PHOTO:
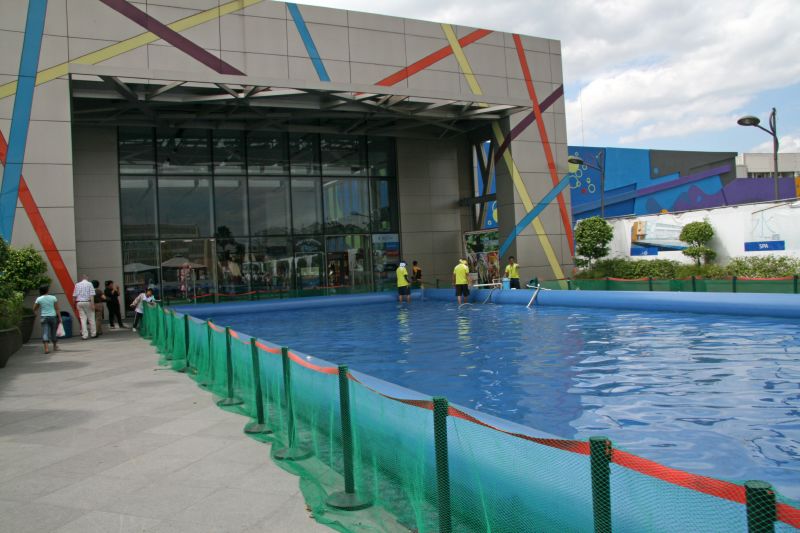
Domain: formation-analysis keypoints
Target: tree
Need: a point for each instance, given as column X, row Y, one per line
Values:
column 592, row 236
column 697, row 235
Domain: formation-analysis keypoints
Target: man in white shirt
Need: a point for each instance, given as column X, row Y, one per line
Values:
column 84, row 301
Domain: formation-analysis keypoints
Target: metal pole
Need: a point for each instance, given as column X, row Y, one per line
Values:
column 229, row 399
column 650, row 283
column 602, row 189
column 294, row 451
column 733, row 283
column 774, row 130
column 347, row 500
column 259, row 427
column 600, row 455
column 440, row 408
column 795, row 283
column 694, row 284
column 204, row 382
column 185, row 367
column 761, row 513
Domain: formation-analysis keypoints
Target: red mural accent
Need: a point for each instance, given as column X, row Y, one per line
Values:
column 548, row 152
column 42, row 232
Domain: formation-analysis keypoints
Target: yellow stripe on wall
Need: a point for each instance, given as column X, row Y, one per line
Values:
column 111, row 51
column 475, row 87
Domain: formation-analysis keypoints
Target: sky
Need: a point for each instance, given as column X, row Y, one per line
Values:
column 661, row 74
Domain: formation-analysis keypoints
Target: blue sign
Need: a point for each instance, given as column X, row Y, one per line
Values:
column 764, row 246
column 644, row 250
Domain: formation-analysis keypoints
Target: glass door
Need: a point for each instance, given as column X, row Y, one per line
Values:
column 348, row 263
column 189, row 270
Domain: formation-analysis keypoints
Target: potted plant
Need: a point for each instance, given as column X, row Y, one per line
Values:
column 23, row 270
column 10, row 315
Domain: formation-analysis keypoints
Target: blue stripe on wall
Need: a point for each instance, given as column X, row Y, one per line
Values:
column 311, row 48
column 535, row 212
column 21, row 115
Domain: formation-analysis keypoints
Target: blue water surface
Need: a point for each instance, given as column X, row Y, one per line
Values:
column 711, row 394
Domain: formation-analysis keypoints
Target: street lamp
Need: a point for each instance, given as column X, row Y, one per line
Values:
column 750, row 120
column 599, row 166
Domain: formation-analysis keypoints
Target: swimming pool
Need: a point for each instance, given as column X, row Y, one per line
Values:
column 711, row 394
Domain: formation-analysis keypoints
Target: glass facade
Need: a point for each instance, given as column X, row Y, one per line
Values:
column 210, row 215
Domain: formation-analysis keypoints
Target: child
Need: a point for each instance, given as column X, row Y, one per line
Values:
column 138, row 303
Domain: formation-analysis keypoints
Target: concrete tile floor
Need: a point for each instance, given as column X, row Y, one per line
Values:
column 97, row 438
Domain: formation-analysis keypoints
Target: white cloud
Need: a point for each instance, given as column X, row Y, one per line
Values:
column 789, row 144
column 649, row 69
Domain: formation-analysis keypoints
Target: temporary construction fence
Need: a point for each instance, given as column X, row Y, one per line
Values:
column 370, row 460
column 788, row 284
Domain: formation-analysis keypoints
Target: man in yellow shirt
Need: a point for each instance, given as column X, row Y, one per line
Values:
column 512, row 272
column 461, row 280
column 403, row 285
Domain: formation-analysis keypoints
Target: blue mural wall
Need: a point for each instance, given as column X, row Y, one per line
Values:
column 643, row 182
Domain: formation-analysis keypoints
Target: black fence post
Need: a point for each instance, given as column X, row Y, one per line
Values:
column 259, row 427
column 185, row 367
column 650, row 283
column 569, row 284
column 204, row 382
column 347, row 500
column 694, row 284
column 608, row 284
column 795, row 283
column 733, row 284
column 229, row 399
column 600, row 456
column 761, row 512
column 440, row 408
column 294, row 451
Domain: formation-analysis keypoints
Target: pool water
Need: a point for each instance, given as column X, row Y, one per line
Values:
column 711, row 394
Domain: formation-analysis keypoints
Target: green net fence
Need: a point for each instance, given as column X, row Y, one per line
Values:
column 786, row 285
column 370, row 460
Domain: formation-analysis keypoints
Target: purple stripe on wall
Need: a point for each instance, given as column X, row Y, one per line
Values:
column 528, row 120
column 172, row 37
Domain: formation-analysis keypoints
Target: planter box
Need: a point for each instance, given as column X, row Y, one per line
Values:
column 10, row 342
column 26, row 326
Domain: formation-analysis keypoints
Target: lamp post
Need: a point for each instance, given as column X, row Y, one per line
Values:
column 601, row 167
column 750, row 120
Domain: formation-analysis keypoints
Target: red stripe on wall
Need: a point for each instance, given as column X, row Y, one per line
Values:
column 42, row 232
column 548, row 152
column 431, row 59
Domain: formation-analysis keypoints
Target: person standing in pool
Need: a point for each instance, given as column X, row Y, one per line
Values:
column 512, row 273
column 416, row 273
column 461, row 280
column 403, row 283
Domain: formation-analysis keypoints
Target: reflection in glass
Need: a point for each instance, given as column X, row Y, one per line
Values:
column 384, row 205
column 231, row 254
column 308, row 263
column 267, row 153
column 343, row 155
column 269, row 264
column 306, row 208
column 140, row 267
column 348, row 262
column 230, row 204
column 136, row 151
column 346, row 204
column 183, row 151
column 188, row 270
column 385, row 260
column 270, row 206
column 381, row 156
column 304, row 154
column 137, row 202
column 228, row 152
column 184, row 206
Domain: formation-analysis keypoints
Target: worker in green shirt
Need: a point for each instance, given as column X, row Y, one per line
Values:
column 461, row 280
column 512, row 272
column 403, row 284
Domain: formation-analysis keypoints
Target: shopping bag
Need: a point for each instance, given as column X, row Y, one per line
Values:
column 60, row 330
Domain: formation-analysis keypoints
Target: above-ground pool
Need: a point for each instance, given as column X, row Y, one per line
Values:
column 711, row 394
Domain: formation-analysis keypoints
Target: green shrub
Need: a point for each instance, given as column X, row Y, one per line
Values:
column 592, row 236
column 10, row 308
column 697, row 235
column 767, row 266
column 23, row 269
column 708, row 271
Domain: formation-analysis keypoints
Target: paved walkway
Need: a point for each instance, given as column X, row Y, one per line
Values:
column 97, row 438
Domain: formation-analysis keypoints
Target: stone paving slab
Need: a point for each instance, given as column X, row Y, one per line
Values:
column 98, row 438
